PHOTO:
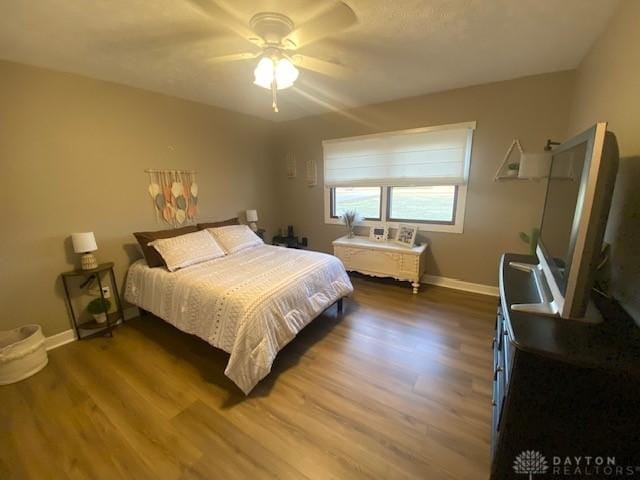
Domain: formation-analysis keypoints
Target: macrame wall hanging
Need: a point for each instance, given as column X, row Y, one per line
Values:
column 175, row 195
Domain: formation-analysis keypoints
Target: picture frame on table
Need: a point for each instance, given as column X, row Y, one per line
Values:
column 379, row 233
column 406, row 235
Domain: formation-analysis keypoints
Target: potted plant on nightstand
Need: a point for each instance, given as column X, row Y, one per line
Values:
column 98, row 307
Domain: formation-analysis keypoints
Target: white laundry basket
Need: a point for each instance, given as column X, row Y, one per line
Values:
column 22, row 353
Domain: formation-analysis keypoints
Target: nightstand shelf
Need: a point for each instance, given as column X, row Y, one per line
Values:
column 92, row 328
column 112, row 317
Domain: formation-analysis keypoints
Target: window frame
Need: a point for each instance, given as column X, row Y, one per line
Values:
column 389, row 218
column 332, row 205
column 456, row 227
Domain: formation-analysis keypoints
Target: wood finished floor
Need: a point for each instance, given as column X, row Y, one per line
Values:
column 398, row 387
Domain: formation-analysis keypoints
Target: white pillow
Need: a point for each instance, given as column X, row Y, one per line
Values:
column 234, row 238
column 189, row 249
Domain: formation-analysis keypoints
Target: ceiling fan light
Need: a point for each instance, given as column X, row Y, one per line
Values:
column 263, row 73
column 286, row 73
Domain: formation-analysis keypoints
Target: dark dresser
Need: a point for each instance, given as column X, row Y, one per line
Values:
column 563, row 389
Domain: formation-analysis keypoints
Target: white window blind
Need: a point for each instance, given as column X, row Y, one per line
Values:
column 424, row 156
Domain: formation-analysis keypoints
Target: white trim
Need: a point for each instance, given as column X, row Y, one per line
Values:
column 461, row 285
column 59, row 339
column 457, row 227
column 435, row 128
column 68, row 336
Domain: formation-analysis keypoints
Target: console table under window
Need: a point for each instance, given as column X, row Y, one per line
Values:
column 382, row 259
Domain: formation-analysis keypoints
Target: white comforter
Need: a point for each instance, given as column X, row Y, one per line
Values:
column 250, row 304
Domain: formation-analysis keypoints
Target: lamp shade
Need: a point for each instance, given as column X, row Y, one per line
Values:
column 84, row 242
column 286, row 73
column 264, row 72
column 282, row 70
column 252, row 215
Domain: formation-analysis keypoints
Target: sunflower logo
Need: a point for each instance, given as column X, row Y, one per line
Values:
column 530, row 462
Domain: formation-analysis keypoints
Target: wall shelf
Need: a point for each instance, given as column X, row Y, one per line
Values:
column 531, row 166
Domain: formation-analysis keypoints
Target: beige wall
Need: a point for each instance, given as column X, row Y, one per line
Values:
column 73, row 153
column 608, row 89
column 74, row 150
column 532, row 109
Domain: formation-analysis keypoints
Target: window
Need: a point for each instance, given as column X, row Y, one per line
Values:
column 411, row 176
column 365, row 200
column 423, row 204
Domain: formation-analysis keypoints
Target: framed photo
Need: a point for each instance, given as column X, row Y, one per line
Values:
column 406, row 235
column 312, row 173
column 379, row 233
column 291, row 165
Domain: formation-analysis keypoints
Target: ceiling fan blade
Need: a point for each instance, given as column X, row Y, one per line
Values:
column 337, row 17
column 324, row 67
column 234, row 57
column 226, row 18
column 162, row 38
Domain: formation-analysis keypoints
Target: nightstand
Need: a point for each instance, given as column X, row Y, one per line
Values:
column 92, row 327
column 290, row 242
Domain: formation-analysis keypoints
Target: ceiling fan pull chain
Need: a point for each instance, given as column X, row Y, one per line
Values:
column 274, row 96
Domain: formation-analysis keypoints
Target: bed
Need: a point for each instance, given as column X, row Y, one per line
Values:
column 249, row 304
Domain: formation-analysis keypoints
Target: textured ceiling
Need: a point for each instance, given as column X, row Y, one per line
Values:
column 398, row 48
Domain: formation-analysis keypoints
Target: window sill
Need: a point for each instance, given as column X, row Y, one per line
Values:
column 422, row 227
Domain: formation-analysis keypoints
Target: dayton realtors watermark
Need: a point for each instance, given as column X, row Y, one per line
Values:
column 592, row 466
column 534, row 463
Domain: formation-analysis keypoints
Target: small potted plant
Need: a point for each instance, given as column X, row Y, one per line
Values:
column 513, row 169
column 531, row 239
column 98, row 307
column 350, row 217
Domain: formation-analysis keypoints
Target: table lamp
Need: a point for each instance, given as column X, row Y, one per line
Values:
column 85, row 243
column 252, row 218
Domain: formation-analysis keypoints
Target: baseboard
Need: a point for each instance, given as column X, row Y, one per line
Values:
column 461, row 285
column 59, row 339
column 68, row 336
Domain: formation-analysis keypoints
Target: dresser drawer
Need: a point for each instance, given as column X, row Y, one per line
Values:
column 382, row 259
column 500, row 345
column 497, row 400
column 379, row 262
column 499, row 328
column 507, row 353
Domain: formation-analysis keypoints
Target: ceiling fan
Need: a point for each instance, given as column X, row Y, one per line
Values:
column 278, row 39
